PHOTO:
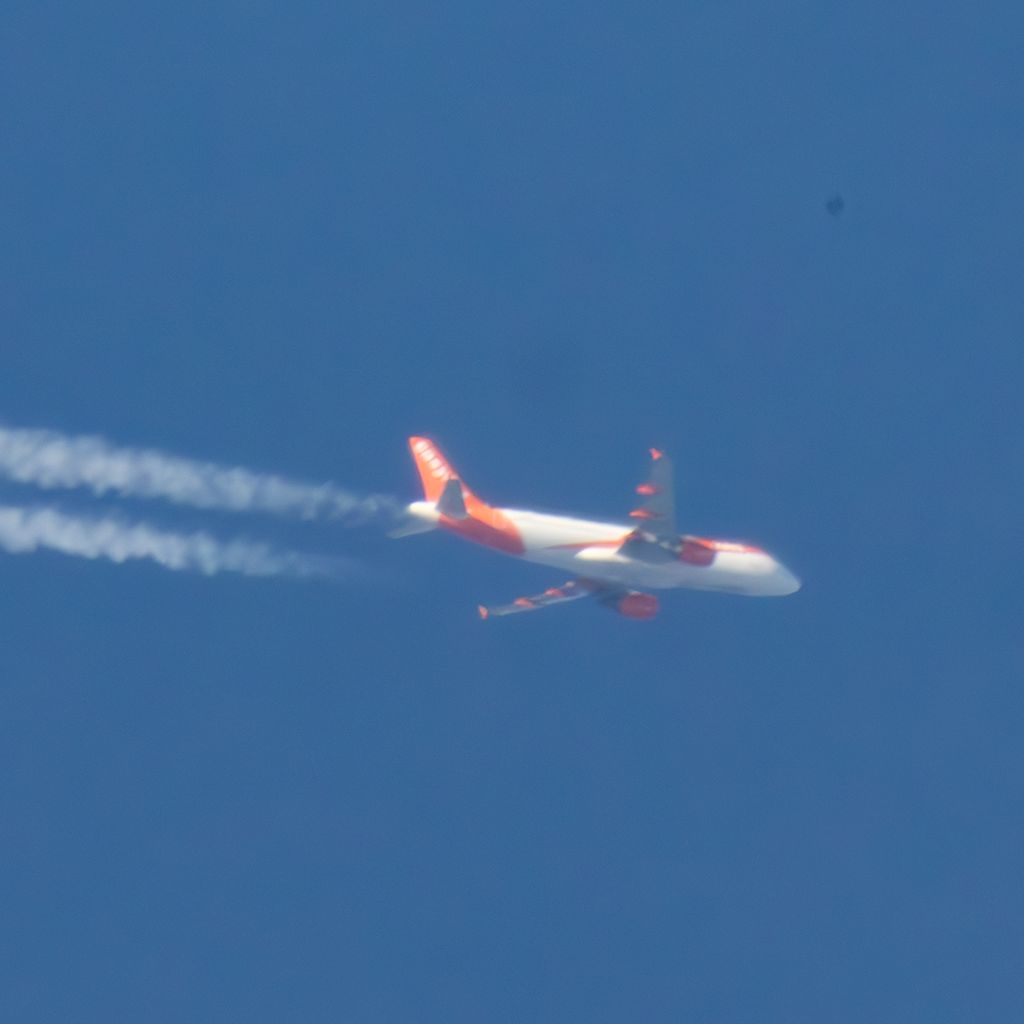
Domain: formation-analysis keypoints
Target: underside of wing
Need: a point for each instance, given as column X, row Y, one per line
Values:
column 656, row 537
column 571, row 591
column 656, row 513
column 631, row 603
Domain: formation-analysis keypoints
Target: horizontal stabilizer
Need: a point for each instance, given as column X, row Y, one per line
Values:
column 451, row 504
column 410, row 527
column 420, row 517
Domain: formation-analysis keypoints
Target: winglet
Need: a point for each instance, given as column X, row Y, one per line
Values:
column 656, row 454
column 482, row 611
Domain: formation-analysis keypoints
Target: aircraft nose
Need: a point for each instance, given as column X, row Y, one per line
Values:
column 785, row 581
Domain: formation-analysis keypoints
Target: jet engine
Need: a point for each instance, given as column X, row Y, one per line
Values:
column 634, row 605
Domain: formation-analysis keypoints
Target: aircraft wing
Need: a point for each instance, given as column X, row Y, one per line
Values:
column 656, row 537
column 656, row 513
column 631, row 603
column 571, row 591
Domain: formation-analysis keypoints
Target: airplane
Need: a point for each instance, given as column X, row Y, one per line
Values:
column 609, row 561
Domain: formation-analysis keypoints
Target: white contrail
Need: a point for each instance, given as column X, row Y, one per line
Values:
column 49, row 459
column 24, row 530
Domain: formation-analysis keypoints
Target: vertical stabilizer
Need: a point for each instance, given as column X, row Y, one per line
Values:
column 455, row 507
column 433, row 467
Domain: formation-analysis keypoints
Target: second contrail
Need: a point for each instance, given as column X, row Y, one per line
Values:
column 24, row 530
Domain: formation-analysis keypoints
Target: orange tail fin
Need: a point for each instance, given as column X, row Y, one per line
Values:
column 434, row 469
column 461, row 511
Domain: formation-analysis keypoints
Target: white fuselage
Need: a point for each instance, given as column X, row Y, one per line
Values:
column 590, row 550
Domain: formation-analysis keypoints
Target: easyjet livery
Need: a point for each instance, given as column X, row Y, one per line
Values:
column 610, row 562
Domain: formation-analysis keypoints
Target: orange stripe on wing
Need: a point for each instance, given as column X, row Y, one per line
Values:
column 580, row 545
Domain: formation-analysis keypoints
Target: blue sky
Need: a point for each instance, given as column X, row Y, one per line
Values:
column 549, row 238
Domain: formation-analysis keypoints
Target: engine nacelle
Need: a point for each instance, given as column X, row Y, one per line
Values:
column 635, row 605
